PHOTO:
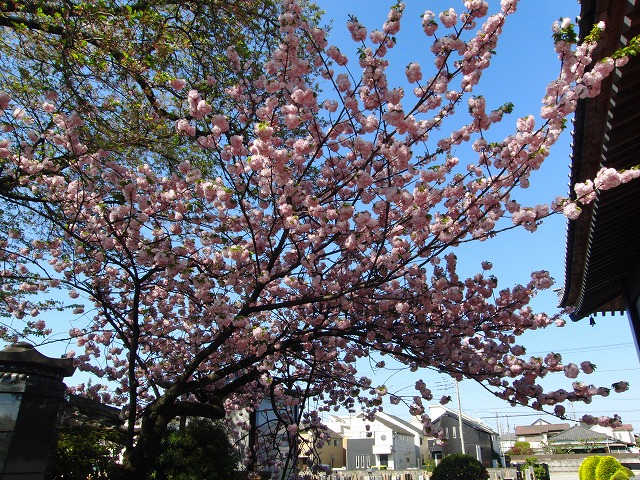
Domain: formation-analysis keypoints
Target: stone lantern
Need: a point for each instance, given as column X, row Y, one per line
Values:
column 31, row 399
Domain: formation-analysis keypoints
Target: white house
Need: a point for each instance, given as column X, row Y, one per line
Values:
column 623, row 433
column 387, row 442
column 260, row 435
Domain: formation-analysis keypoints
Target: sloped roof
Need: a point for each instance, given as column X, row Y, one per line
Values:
column 394, row 427
column 333, row 433
column 603, row 243
column 577, row 434
column 386, row 418
column 394, row 423
column 541, row 421
column 540, row 429
column 624, row 427
column 441, row 410
column 85, row 411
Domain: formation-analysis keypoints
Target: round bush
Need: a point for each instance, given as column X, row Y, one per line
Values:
column 607, row 467
column 459, row 466
column 587, row 470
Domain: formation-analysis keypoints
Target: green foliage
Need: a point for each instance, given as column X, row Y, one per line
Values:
column 594, row 34
column 458, row 466
column 630, row 50
column 567, row 34
column 87, row 452
column 587, row 470
column 507, row 107
column 429, row 465
column 540, row 471
column 607, row 467
column 520, row 448
column 201, row 451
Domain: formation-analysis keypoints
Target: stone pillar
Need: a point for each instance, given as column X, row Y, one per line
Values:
column 31, row 399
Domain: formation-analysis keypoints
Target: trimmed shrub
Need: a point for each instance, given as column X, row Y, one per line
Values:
column 520, row 448
column 458, row 466
column 628, row 472
column 587, row 470
column 607, row 467
column 620, row 475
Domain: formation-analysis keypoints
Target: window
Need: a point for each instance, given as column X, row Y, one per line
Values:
column 363, row 461
column 454, row 432
column 335, row 442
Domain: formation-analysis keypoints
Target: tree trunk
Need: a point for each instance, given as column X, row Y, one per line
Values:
column 140, row 458
column 138, row 463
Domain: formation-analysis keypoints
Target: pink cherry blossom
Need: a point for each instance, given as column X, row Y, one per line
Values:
column 571, row 370
column 178, row 83
column 448, row 18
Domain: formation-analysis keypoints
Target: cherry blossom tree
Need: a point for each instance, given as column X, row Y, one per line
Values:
column 324, row 229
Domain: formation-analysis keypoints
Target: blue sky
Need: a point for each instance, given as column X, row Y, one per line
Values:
column 524, row 64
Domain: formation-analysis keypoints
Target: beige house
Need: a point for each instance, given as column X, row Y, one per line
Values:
column 331, row 454
column 538, row 434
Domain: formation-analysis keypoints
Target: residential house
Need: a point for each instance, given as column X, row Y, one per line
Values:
column 538, row 434
column 622, row 433
column 480, row 441
column 262, row 437
column 507, row 440
column 332, row 452
column 602, row 272
column 579, row 439
column 386, row 442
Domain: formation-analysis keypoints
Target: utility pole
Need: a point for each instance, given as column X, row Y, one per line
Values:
column 460, row 419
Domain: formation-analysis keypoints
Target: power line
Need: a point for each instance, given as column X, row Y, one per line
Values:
column 590, row 349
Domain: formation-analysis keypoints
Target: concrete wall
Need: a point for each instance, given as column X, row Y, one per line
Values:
column 376, row 475
column 565, row 467
column 561, row 467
